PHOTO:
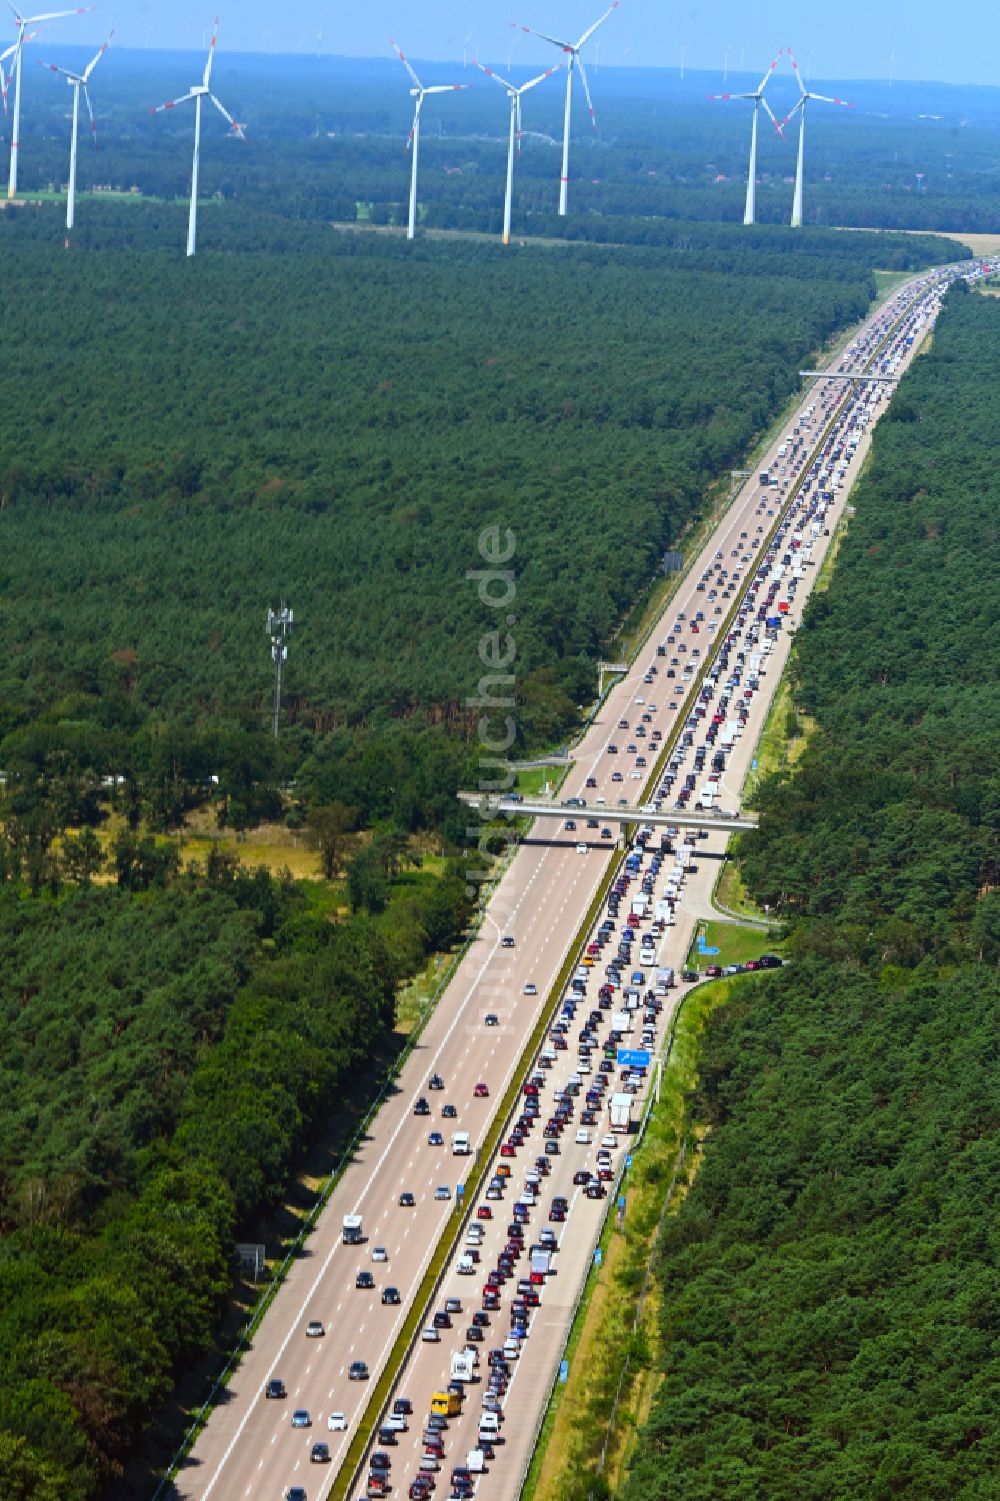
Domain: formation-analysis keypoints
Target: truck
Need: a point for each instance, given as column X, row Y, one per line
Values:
column 729, row 734
column 541, row 1260
column 620, row 1111
column 446, row 1404
column 463, row 1365
column 707, row 795
column 665, row 977
column 351, row 1235
column 765, row 477
column 621, row 1021
column 460, row 1144
column 639, row 904
column 664, row 911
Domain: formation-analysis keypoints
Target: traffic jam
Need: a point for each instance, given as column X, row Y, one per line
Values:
column 582, row 1101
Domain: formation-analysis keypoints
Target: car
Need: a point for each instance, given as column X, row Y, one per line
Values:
column 484, row 1212
column 530, row 989
column 506, row 941
column 319, row 1454
column 770, row 961
column 406, row 1201
column 365, row 1281
column 453, row 1305
column 435, row 1139
column 430, row 1335
column 295, row 1493
column 337, row 1422
column 357, row 1371
column 491, row 1019
column 380, row 1462
column 570, row 825
column 301, row 1418
column 379, row 1253
column 275, row 1389
column 442, row 1191
column 449, row 1112
column 421, row 1107
column 314, row 1329
column 481, row 1092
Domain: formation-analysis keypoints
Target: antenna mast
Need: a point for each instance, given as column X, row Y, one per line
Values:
column 279, row 628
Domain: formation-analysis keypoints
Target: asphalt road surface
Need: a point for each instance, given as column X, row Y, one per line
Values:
column 249, row 1447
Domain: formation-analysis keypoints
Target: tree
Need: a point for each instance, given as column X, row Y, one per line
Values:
column 330, row 829
column 82, row 857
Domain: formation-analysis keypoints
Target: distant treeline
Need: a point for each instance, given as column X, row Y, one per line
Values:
column 830, row 1282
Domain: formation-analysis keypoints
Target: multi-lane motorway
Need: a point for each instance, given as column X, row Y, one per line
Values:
column 249, row 1447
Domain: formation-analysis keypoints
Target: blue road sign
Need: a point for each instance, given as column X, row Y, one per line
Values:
column 634, row 1057
column 598, row 1256
column 628, row 1159
column 564, row 1370
column 621, row 1203
column 753, row 764
column 460, row 1191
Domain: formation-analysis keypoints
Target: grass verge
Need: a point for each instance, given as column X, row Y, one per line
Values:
column 616, row 1322
column 735, row 944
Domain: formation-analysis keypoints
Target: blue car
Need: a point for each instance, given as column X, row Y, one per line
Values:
column 435, row 1139
column 301, row 1418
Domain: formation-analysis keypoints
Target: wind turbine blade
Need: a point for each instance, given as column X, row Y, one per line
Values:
column 54, row 15
column 779, row 128
column 540, row 79
column 64, row 72
column 207, row 75
column 171, row 104
column 795, row 70
column 490, row 74
column 796, row 107
column 760, row 88
column 731, row 96
column 416, row 117
column 94, row 61
column 90, row 112
column 404, row 60
column 564, row 46
column 588, row 34
column 825, row 98
column 234, row 125
column 586, row 90
column 446, row 88
column 517, row 121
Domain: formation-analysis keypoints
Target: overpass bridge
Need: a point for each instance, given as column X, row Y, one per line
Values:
column 514, row 807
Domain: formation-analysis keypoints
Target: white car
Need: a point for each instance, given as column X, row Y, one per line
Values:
column 530, row 989
column 442, row 1191
column 430, row 1335
column 379, row 1253
column 337, row 1422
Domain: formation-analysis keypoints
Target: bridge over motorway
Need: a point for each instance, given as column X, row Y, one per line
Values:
column 513, row 807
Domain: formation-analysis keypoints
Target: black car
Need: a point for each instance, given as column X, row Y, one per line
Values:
column 421, row 1107
column 319, row 1454
column 402, row 1407
column 364, row 1280
column 435, row 1082
column 391, row 1295
column 406, row 1201
column 275, row 1388
column 770, row 961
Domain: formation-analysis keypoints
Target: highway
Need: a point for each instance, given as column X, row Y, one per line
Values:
column 249, row 1446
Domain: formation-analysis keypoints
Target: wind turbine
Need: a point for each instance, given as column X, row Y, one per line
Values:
column 800, row 105
column 76, row 82
column 574, row 60
column 419, row 93
column 758, row 99
column 514, row 95
column 22, row 23
column 199, row 92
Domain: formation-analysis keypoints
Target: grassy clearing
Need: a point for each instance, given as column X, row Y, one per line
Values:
column 533, row 781
column 735, row 944
column 732, row 896
column 605, row 1332
column 886, row 282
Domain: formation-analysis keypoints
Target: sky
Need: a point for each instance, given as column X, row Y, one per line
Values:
column 848, row 39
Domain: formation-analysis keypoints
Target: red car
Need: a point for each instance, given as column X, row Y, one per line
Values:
column 508, row 1150
column 484, row 1212
column 481, row 1092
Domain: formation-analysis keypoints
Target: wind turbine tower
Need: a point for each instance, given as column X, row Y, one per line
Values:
column 573, row 60
column 800, row 106
column 22, row 23
column 749, row 212
column 76, row 82
column 199, row 92
column 419, row 93
column 514, row 95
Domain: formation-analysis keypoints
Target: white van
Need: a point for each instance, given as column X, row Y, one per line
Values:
column 583, row 1137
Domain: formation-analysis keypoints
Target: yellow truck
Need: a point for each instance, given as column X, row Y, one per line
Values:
column 446, row 1404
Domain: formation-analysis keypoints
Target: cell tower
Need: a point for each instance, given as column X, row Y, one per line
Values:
column 279, row 628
